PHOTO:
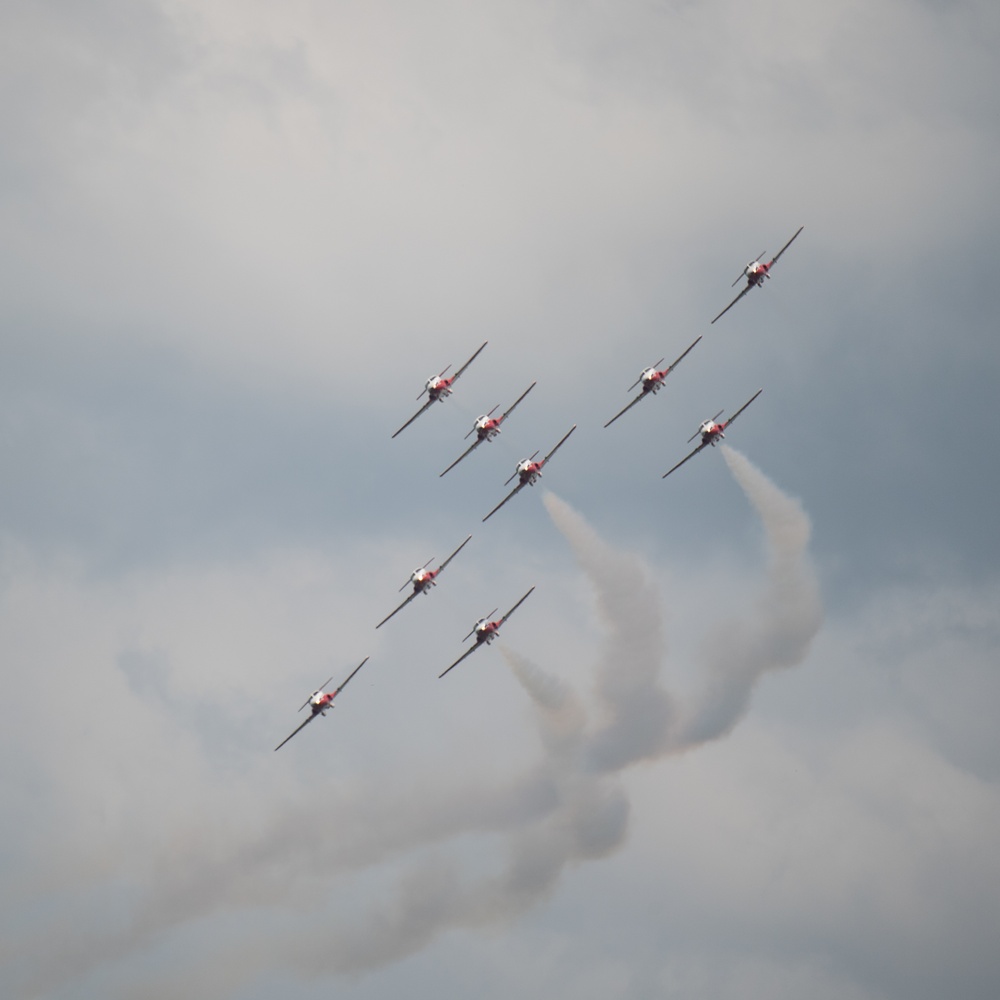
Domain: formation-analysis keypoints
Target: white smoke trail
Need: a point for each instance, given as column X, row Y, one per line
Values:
column 639, row 712
column 567, row 808
column 786, row 617
column 587, row 819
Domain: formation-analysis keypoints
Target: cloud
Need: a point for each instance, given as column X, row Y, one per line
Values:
column 243, row 845
column 237, row 235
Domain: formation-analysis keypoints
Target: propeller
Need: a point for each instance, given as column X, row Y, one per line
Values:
column 475, row 426
column 517, row 471
column 486, row 619
column 440, row 374
column 639, row 379
column 410, row 580
column 317, row 691
column 746, row 270
column 698, row 431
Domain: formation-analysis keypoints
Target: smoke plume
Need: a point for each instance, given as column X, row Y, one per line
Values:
column 638, row 712
column 785, row 619
column 304, row 856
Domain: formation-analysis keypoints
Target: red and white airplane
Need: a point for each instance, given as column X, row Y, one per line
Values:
column 711, row 432
column 320, row 701
column 755, row 272
column 652, row 382
column 423, row 579
column 438, row 387
column 527, row 471
column 485, row 632
column 487, row 427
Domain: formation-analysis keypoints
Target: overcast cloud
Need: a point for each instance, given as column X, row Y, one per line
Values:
column 741, row 740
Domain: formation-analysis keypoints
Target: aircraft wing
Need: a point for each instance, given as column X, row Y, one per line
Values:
column 788, row 244
column 742, row 408
column 683, row 460
column 455, row 553
column 400, row 608
column 513, row 493
column 683, row 356
column 469, row 362
column 426, row 406
column 297, row 730
column 468, row 652
column 516, row 606
column 350, row 675
column 627, row 408
column 468, row 451
column 558, row 446
column 731, row 304
column 510, row 409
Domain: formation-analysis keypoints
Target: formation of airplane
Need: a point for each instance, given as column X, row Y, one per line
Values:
column 320, row 701
column 527, row 472
column 487, row 427
column 711, row 432
column 652, row 382
column 422, row 580
column 485, row 632
column 755, row 272
column 438, row 387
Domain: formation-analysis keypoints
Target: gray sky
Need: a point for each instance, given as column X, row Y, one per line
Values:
column 740, row 740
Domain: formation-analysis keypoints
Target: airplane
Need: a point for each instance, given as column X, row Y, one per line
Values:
column 487, row 427
column 485, row 632
column 527, row 471
column 711, row 432
column 652, row 382
column 320, row 701
column 755, row 272
column 438, row 387
column 423, row 579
